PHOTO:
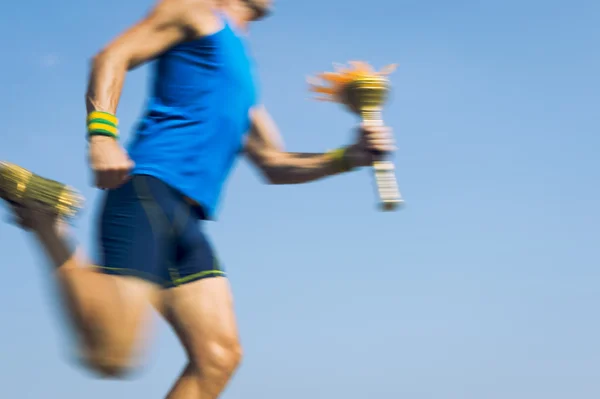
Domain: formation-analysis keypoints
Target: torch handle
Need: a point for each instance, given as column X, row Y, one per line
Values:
column 383, row 169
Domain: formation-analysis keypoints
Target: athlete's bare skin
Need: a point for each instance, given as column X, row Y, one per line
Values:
column 111, row 313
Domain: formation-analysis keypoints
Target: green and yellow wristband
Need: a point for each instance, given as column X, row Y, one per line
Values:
column 102, row 124
column 340, row 160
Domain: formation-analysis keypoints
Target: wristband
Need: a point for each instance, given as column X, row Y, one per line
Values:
column 338, row 157
column 102, row 124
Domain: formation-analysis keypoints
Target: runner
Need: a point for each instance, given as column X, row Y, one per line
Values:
column 202, row 113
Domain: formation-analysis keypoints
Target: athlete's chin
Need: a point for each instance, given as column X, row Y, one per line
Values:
column 260, row 15
column 261, row 8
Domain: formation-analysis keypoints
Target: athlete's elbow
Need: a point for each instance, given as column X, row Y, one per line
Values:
column 276, row 169
column 273, row 177
column 100, row 59
column 281, row 177
column 109, row 59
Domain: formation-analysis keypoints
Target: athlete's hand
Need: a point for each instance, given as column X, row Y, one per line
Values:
column 109, row 162
column 372, row 143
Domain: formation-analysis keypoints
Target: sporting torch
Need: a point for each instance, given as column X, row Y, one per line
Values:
column 364, row 91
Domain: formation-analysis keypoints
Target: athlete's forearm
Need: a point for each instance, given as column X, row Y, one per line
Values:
column 265, row 149
column 106, row 83
column 297, row 168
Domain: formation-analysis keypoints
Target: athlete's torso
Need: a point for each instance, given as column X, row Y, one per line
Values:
column 197, row 116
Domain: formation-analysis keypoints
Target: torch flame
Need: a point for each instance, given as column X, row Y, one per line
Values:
column 331, row 84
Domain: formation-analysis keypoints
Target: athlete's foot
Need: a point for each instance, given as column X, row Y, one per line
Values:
column 36, row 202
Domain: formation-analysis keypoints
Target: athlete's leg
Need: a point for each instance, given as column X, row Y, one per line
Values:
column 110, row 313
column 199, row 306
column 202, row 314
column 107, row 311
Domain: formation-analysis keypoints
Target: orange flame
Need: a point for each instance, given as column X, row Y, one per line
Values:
column 331, row 84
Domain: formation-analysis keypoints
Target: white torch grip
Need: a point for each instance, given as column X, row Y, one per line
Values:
column 384, row 171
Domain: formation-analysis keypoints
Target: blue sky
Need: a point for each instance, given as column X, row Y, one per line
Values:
column 484, row 287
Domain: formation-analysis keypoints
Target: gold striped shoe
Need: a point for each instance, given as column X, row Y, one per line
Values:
column 22, row 188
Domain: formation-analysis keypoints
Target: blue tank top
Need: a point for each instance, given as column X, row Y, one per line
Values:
column 197, row 116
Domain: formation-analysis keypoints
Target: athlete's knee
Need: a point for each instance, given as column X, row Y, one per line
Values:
column 220, row 359
column 109, row 363
column 111, row 370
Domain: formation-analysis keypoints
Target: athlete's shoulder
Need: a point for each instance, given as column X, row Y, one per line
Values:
column 196, row 16
column 169, row 23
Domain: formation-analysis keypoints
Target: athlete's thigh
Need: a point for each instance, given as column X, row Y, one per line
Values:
column 126, row 329
column 200, row 304
column 202, row 314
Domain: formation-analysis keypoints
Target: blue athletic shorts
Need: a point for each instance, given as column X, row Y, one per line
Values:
column 150, row 230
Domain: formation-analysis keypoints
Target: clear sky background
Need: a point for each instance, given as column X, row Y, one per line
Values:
column 486, row 286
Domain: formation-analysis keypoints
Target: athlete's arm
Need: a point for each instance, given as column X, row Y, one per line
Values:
column 169, row 23
column 265, row 149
